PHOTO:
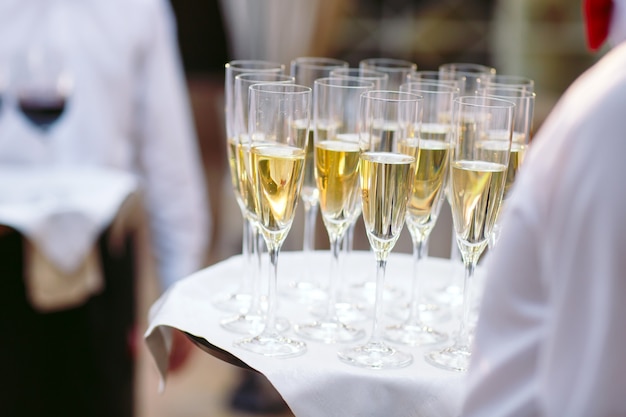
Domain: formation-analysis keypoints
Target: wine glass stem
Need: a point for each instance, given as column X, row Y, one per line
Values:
column 248, row 253
column 310, row 217
column 463, row 336
column 381, row 267
column 270, row 324
column 333, row 283
column 416, row 293
column 257, row 282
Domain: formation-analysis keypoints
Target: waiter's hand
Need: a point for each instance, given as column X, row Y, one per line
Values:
column 181, row 350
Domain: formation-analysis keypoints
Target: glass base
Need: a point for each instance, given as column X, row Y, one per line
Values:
column 366, row 291
column 232, row 303
column 252, row 324
column 329, row 332
column 429, row 312
column 346, row 312
column 414, row 334
column 375, row 355
column 273, row 345
column 307, row 292
column 452, row 358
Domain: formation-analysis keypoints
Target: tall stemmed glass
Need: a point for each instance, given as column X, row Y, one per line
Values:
column 380, row 80
column 278, row 130
column 386, row 176
column 524, row 100
column 306, row 70
column 476, row 187
column 239, row 299
column 397, row 69
column 252, row 319
column 336, row 172
column 430, row 148
column 470, row 77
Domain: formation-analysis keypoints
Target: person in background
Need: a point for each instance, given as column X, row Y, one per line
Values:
column 550, row 338
column 128, row 110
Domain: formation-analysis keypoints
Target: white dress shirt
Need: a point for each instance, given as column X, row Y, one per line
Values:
column 551, row 337
column 128, row 110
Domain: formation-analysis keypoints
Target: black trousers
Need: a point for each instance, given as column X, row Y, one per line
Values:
column 76, row 362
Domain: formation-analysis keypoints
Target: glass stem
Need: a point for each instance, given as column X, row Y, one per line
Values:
column 257, row 283
column 381, row 266
column 310, row 217
column 333, row 283
column 270, row 323
column 463, row 337
column 416, row 293
column 247, row 251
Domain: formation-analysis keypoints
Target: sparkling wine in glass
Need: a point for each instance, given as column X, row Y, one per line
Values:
column 524, row 99
column 337, row 153
column 253, row 318
column 386, row 179
column 397, row 69
column 431, row 149
column 238, row 300
column 276, row 166
column 306, row 70
column 476, row 188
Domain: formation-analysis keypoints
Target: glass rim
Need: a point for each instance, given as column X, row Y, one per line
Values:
column 447, row 87
column 524, row 93
column 255, row 64
column 467, row 68
column 498, row 103
column 339, row 82
column 396, row 63
column 392, row 96
column 319, row 62
column 369, row 73
column 281, row 88
column 249, row 76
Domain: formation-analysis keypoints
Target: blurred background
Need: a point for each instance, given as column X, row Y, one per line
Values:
column 539, row 39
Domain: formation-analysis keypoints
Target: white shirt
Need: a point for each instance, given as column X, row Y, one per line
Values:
column 551, row 337
column 129, row 110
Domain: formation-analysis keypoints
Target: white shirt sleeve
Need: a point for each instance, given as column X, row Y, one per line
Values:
column 169, row 155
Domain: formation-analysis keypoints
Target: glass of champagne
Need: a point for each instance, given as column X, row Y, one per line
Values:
column 306, row 70
column 275, row 167
column 397, row 69
column 336, row 172
column 476, row 187
column 252, row 319
column 380, row 80
column 386, row 178
column 470, row 77
column 524, row 100
column 430, row 147
column 239, row 299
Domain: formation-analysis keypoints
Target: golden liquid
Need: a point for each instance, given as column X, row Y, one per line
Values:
column 278, row 182
column 432, row 167
column 386, row 180
column 518, row 152
column 337, row 166
column 240, row 178
column 476, row 189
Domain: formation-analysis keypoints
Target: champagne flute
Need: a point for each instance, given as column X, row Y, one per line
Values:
column 380, row 80
column 306, row 70
column 524, row 100
column 476, row 187
column 43, row 85
column 386, row 177
column 430, row 148
column 470, row 77
column 239, row 299
column 397, row 69
column 275, row 164
column 252, row 319
column 336, row 172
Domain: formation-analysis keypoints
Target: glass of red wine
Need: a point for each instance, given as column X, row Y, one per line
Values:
column 42, row 86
